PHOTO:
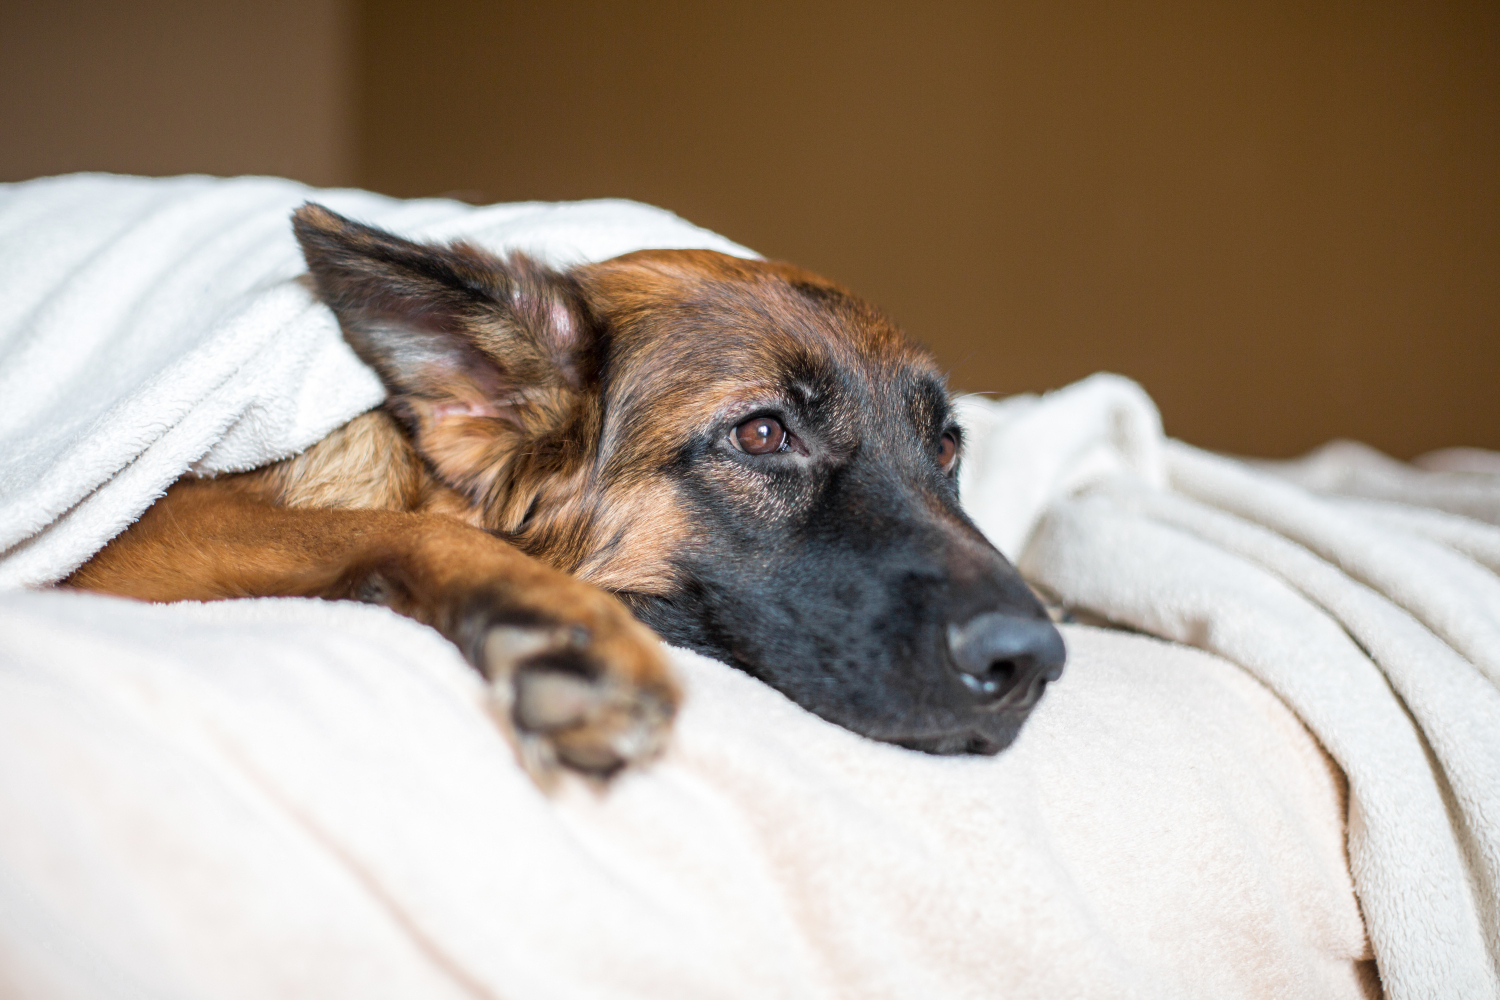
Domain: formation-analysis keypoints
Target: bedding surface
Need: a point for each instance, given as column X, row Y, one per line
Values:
column 1378, row 622
column 285, row 798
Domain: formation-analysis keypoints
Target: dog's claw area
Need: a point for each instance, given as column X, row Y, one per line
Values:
column 565, row 707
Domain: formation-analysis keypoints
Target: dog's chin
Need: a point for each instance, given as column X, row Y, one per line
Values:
column 994, row 734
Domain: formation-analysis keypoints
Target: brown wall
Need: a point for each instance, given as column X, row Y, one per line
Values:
column 177, row 86
column 1283, row 219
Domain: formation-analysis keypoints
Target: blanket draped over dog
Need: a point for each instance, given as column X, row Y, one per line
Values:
column 149, row 327
column 301, row 798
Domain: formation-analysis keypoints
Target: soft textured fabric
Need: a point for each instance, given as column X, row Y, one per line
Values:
column 283, row 798
column 1456, row 480
column 152, row 326
column 1377, row 621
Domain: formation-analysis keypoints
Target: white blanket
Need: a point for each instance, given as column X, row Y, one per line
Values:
column 1377, row 622
column 300, row 799
column 152, row 326
column 290, row 798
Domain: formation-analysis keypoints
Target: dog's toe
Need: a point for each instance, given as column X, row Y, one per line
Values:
column 572, row 701
column 549, row 700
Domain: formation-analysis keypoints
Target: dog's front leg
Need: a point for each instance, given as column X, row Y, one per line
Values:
column 578, row 681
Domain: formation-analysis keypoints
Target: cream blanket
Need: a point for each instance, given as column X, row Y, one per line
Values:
column 1377, row 622
column 292, row 799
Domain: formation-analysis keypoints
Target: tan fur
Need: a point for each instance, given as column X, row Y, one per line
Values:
column 368, row 464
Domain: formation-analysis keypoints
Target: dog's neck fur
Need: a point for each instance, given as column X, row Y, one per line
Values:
column 368, row 464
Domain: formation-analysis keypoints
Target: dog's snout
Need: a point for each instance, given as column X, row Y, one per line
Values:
column 1005, row 659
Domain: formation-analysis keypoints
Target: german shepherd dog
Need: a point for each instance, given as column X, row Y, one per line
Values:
column 737, row 454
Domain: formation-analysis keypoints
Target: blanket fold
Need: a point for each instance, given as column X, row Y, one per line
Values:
column 1381, row 637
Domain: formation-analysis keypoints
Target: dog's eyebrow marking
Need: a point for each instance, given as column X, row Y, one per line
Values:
column 806, row 394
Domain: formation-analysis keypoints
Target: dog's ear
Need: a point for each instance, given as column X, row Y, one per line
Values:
column 480, row 355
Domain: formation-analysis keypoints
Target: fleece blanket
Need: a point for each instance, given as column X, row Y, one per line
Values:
column 297, row 799
column 283, row 798
column 1377, row 622
column 152, row 326
column 1372, row 610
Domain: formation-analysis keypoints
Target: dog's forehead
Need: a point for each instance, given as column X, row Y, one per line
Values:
column 702, row 325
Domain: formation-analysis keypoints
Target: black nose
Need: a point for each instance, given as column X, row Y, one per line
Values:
column 1005, row 659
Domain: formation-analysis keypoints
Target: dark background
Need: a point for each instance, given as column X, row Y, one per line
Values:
column 1282, row 219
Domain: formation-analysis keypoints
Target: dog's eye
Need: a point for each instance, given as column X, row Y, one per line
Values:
column 759, row 436
column 948, row 452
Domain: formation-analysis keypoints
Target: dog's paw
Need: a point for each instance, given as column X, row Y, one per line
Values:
column 588, row 696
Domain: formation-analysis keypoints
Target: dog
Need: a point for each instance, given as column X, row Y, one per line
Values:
column 737, row 456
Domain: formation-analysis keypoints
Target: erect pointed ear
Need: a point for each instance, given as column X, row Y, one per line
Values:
column 479, row 354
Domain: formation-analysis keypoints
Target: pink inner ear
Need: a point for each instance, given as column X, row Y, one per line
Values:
column 561, row 321
column 561, row 330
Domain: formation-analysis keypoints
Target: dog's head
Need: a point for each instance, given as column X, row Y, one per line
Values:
column 758, row 462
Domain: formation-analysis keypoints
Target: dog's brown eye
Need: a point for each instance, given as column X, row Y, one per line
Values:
column 947, row 452
column 760, row 436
